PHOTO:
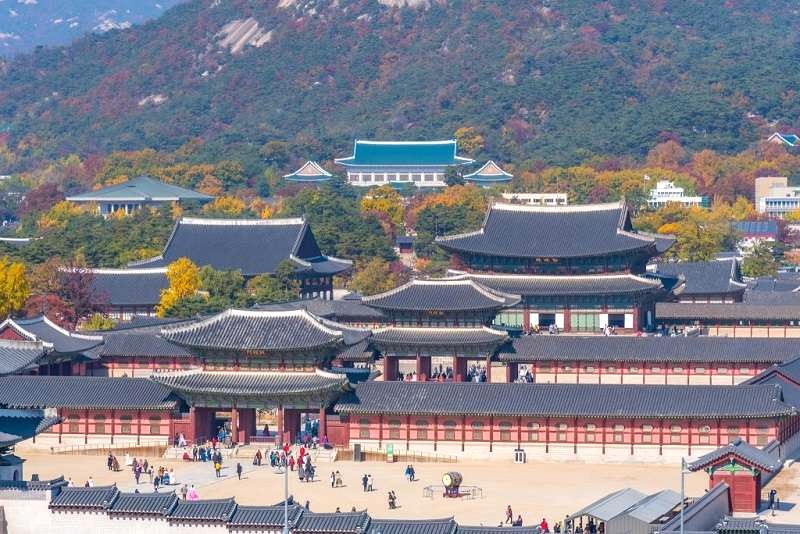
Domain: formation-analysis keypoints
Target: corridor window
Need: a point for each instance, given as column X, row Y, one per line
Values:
column 561, row 432
column 477, row 431
column 589, row 433
column 422, row 429
column 125, row 424
column 99, row 424
column 704, row 435
column 394, row 429
column 533, row 431
column 675, row 434
column 619, row 433
column 505, row 431
column 647, row 433
column 450, row 430
column 155, row 425
column 72, row 424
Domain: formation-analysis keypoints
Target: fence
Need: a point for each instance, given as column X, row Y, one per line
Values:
column 464, row 492
column 99, row 449
column 411, row 457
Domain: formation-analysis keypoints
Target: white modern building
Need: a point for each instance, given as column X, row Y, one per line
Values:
column 665, row 192
column 537, row 199
column 774, row 196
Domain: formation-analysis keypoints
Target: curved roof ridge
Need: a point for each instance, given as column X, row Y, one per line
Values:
column 630, row 276
column 508, row 206
column 200, row 221
column 123, row 271
column 145, row 261
column 437, row 142
column 236, row 312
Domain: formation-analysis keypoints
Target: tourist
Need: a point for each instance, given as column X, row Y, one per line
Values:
column 239, row 470
column 509, row 515
column 259, row 457
column 333, row 479
column 307, row 506
column 137, row 472
column 156, row 482
column 184, row 491
column 364, row 482
column 70, row 483
column 392, row 500
column 291, row 463
column 114, row 464
column 266, row 429
column 518, row 521
column 338, row 511
column 543, row 526
column 110, row 461
column 218, row 469
column 181, row 440
column 369, row 482
column 192, row 495
column 172, row 478
column 339, row 479
column 90, row 483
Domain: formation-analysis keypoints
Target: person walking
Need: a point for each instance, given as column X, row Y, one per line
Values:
column 509, row 515
column 218, row 469
column 364, row 482
column 239, row 470
column 184, row 491
column 90, row 482
column 110, row 461
column 369, row 482
column 333, row 479
column 543, row 526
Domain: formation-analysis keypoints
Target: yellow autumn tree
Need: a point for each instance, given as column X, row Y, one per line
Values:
column 58, row 216
column 373, row 277
column 14, row 286
column 184, row 281
column 386, row 200
column 470, row 140
column 225, row 207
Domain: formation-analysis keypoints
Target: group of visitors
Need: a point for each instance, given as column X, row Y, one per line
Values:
column 366, row 482
column 476, row 373
column 112, row 462
column 409, row 473
column 189, row 493
column 336, row 479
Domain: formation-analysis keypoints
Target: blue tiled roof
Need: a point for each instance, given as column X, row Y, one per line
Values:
column 765, row 228
column 400, row 153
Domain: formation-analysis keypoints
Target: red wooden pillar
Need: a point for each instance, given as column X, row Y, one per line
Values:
column 380, row 431
column 489, row 368
column 139, row 427
column 235, row 423
column 519, row 432
column 435, row 432
column 463, row 431
column 408, row 431
column 86, row 427
column 60, row 413
column 575, row 436
column 491, row 433
column 279, row 416
column 661, row 437
column 547, row 435
column 113, row 424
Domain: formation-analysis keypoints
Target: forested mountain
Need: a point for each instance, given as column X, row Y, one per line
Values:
column 556, row 81
column 26, row 24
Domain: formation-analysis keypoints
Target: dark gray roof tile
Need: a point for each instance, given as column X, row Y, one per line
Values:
column 263, row 516
column 739, row 449
column 512, row 230
column 408, row 526
column 649, row 349
column 158, row 504
column 219, row 510
column 134, row 344
column 333, row 523
column 256, row 330
column 54, row 337
column 666, row 311
column 545, row 285
column 252, row 383
column 97, row 498
column 591, row 400
column 16, row 356
column 706, row 277
column 441, row 294
column 130, row 287
column 19, row 425
column 83, row 392
column 446, row 337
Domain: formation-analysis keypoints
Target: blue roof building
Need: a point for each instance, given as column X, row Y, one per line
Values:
column 489, row 174
column 790, row 140
column 136, row 193
column 421, row 163
column 309, row 172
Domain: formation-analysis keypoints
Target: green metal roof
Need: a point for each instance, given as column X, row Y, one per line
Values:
column 489, row 173
column 404, row 154
column 141, row 188
column 309, row 172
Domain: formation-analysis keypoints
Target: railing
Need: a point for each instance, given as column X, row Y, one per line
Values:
column 101, row 449
column 464, row 492
column 376, row 455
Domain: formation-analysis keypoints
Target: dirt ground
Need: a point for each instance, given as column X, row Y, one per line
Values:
column 534, row 490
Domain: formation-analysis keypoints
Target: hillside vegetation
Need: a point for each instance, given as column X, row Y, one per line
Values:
column 552, row 81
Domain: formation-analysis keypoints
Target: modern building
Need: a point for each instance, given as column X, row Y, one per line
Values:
column 666, row 192
column 309, row 172
column 421, row 163
column 253, row 247
column 577, row 268
column 489, row 174
column 137, row 193
column 774, row 197
column 537, row 199
column 705, row 281
column 750, row 233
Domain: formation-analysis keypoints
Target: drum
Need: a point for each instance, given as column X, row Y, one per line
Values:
column 452, row 479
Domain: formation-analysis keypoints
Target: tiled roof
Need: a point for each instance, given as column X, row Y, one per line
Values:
column 345, row 310
column 649, row 349
column 263, row 516
column 543, row 285
column 418, row 337
column 97, row 498
column 360, row 352
column 310, row 171
column 219, row 510
column 706, row 277
column 498, row 530
column 726, row 312
column 441, row 294
column 130, row 287
column 490, row 172
column 590, row 400
column 772, row 298
column 252, row 383
column 739, row 449
column 256, row 330
column 513, row 230
column 54, row 337
column 702, row 512
column 159, row 504
column 405, row 526
column 83, row 392
column 252, row 246
column 18, row 355
column 611, row 505
column 140, row 189
column 333, row 523
column 19, row 425
column 653, row 507
column 123, row 344
column 404, row 154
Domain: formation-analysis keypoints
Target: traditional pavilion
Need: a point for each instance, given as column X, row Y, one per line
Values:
column 130, row 292
column 17, row 426
column 577, row 268
column 489, row 174
column 421, row 163
column 309, row 172
column 137, row 193
column 438, row 325
column 255, row 359
column 253, row 247
column 717, row 281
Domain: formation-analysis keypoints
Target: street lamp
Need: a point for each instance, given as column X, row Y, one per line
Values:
column 684, row 471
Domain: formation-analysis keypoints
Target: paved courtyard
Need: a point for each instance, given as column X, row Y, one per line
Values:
column 534, row 490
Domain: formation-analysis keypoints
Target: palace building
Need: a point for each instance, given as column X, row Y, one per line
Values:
column 578, row 268
column 253, row 247
column 130, row 292
column 717, row 281
column 310, row 172
column 489, row 174
column 421, row 163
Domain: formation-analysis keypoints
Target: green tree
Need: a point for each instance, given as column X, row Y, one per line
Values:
column 281, row 287
column 453, row 176
column 761, row 261
column 373, row 277
column 184, row 281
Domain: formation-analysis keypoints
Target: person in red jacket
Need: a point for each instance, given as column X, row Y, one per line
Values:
column 543, row 526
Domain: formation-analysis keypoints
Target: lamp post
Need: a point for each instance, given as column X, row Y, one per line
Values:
column 684, row 472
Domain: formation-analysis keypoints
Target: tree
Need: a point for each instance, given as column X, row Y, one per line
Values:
column 14, row 287
column 761, row 261
column 184, row 281
column 280, row 287
column 453, row 176
column 225, row 207
column 470, row 140
column 373, row 277
column 386, row 200
column 78, row 291
column 98, row 322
